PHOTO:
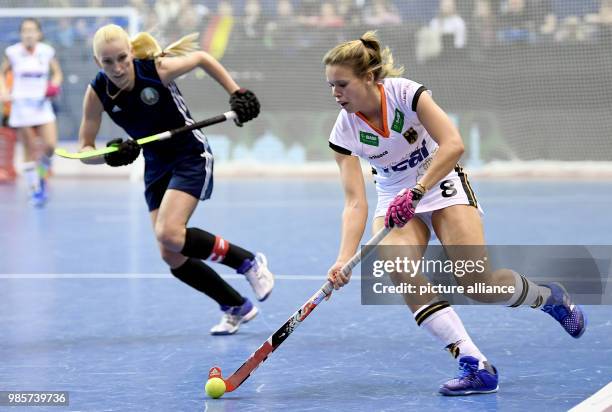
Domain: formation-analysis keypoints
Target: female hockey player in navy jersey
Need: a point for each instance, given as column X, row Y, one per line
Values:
column 413, row 148
column 136, row 89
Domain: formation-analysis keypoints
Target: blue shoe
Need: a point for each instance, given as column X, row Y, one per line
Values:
column 471, row 380
column 39, row 197
column 560, row 306
column 233, row 316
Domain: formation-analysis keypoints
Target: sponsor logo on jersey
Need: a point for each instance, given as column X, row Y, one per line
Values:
column 411, row 161
column 398, row 121
column 149, row 96
column 411, row 135
column 368, row 138
column 378, row 156
column 31, row 75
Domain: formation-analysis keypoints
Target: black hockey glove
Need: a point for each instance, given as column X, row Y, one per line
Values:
column 128, row 151
column 245, row 104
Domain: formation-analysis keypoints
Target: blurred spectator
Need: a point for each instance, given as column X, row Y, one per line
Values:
column 141, row 6
column 282, row 31
column 101, row 20
column 66, row 33
column 84, row 33
column 543, row 17
column 514, row 23
column 571, row 30
column 308, row 17
column 601, row 23
column 249, row 30
column 218, row 30
column 225, row 8
column 483, row 24
column 381, row 12
column 308, row 13
column 147, row 19
column 252, row 23
column 449, row 26
column 481, row 29
column 188, row 20
column 351, row 11
column 428, row 44
column 172, row 18
column 167, row 12
column 329, row 18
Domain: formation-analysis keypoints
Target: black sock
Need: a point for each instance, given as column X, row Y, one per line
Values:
column 203, row 245
column 202, row 277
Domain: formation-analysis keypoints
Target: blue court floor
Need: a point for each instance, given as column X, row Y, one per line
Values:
column 88, row 307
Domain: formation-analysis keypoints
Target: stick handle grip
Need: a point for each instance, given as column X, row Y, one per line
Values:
column 327, row 288
column 187, row 128
column 348, row 266
column 204, row 123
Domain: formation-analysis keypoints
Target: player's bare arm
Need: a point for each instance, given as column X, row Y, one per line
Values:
column 90, row 125
column 4, row 68
column 57, row 76
column 169, row 68
column 354, row 216
column 442, row 131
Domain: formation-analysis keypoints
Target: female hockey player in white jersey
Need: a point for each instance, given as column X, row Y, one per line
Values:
column 396, row 126
column 37, row 77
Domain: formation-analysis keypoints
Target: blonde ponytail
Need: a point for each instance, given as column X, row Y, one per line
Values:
column 144, row 46
column 363, row 56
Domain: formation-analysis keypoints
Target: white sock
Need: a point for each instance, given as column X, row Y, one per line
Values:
column 442, row 322
column 30, row 173
column 527, row 293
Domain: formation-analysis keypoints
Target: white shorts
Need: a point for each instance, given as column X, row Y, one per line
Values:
column 454, row 189
column 31, row 112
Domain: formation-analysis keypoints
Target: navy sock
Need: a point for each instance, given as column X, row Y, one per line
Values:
column 202, row 277
column 204, row 245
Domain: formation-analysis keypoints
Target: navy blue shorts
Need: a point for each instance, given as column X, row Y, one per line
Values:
column 191, row 174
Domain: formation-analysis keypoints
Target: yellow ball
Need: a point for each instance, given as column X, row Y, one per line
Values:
column 215, row 388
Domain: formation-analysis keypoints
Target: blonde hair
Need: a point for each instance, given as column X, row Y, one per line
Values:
column 363, row 56
column 144, row 46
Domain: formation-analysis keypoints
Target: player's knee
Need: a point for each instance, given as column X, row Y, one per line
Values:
column 171, row 237
column 172, row 259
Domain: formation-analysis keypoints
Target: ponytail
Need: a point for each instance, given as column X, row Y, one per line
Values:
column 364, row 56
column 144, row 45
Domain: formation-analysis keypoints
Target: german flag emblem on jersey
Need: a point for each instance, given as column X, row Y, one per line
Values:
column 411, row 135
